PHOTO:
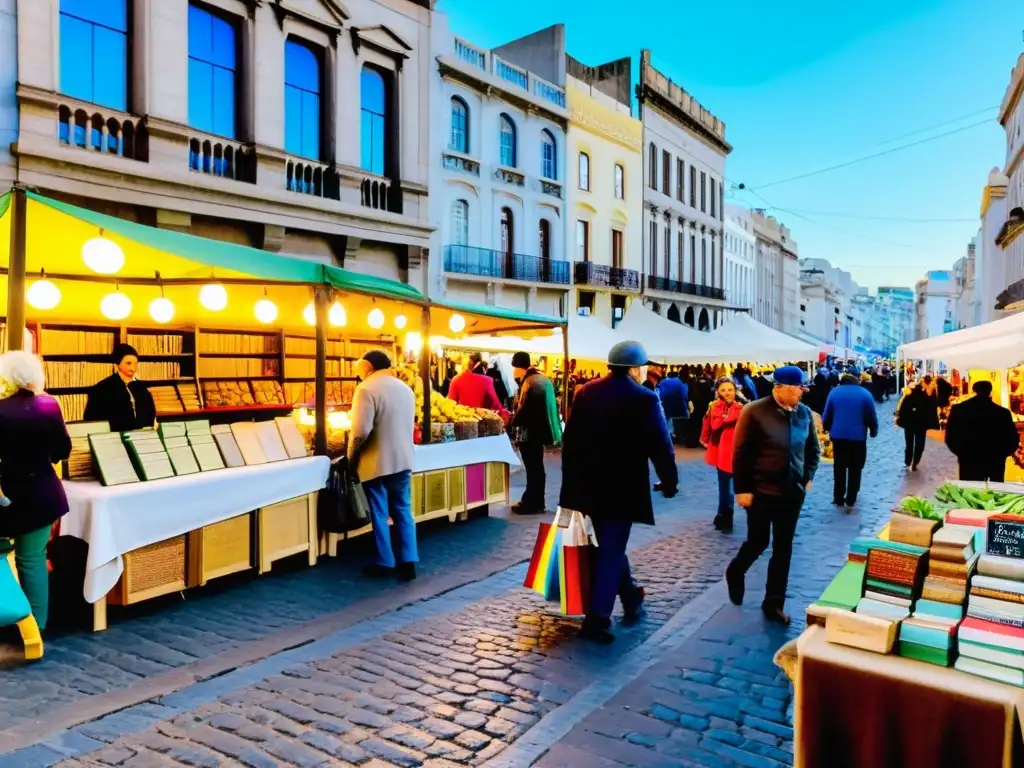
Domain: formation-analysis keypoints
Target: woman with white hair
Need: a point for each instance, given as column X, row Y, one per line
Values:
column 32, row 439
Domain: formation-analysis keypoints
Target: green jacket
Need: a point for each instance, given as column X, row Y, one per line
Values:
column 536, row 410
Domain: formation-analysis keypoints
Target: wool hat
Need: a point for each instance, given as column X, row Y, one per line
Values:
column 789, row 375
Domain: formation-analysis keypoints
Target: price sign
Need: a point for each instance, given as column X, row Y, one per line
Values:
column 1006, row 536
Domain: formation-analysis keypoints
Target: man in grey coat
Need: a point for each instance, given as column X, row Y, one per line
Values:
column 380, row 450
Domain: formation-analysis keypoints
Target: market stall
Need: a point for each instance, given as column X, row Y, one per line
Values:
column 751, row 341
column 249, row 360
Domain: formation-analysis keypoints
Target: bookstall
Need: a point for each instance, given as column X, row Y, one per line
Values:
column 914, row 654
column 249, row 359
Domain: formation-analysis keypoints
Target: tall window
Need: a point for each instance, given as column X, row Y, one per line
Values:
column 681, row 257
column 508, row 142
column 94, row 51
column 460, row 223
column 584, row 171
column 668, row 250
column 373, row 99
column 693, row 186
column 714, row 199
column 652, row 167
column 680, row 179
column 302, row 85
column 617, row 255
column 548, row 155
column 582, row 240
column 620, row 182
column 713, row 262
column 693, row 258
column 654, row 249
column 212, row 72
column 507, row 232
column 721, row 202
column 460, row 126
column 703, row 192
column 666, row 172
column 703, row 261
column 545, row 239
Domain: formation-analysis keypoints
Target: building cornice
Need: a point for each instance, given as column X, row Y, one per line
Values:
column 1013, row 92
column 493, row 87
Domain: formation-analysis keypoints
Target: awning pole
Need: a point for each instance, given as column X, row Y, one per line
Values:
column 424, row 362
column 565, row 372
column 16, row 272
column 321, row 300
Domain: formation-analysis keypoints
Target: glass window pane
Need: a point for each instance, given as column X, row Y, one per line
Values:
column 224, row 102
column 223, row 43
column 372, row 91
column 301, row 67
column 366, row 140
column 200, row 95
column 76, row 58
column 292, row 120
column 109, row 13
column 200, row 34
column 110, row 68
column 311, row 125
column 378, row 146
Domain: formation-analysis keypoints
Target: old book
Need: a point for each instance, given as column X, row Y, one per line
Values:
column 898, row 567
column 975, row 612
column 208, row 457
column 926, row 653
column 294, row 442
column 1003, row 567
column 994, row 582
column 907, row 529
column 882, row 610
column 995, row 594
column 888, row 588
column 861, row 631
column 937, row 609
column 985, row 669
column 952, row 534
column 974, row 518
column 270, row 441
column 248, row 438
column 998, row 607
column 992, row 654
column 927, row 632
column 950, row 554
column 172, row 429
column 845, row 589
column 184, row 461
column 955, row 570
column 229, row 449
column 885, row 597
column 111, row 458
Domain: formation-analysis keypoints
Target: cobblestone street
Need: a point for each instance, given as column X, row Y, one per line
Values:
column 320, row 668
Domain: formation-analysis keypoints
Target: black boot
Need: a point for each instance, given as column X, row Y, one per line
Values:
column 595, row 630
column 633, row 607
column 407, row 571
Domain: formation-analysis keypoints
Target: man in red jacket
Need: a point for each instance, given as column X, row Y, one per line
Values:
column 475, row 389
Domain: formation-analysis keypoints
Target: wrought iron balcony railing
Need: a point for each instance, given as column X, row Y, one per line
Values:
column 487, row 262
column 588, row 273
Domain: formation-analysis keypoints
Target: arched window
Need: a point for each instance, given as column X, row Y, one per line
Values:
column 460, row 125
column 302, row 84
column 373, row 128
column 212, row 70
column 460, row 222
column 620, row 182
column 704, row 323
column 507, row 232
column 508, row 142
column 94, row 51
column 545, row 239
column 673, row 313
column 548, row 155
column 688, row 317
column 652, row 167
column 584, row 171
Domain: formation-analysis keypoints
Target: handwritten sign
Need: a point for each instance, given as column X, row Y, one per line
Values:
column 1006, row 536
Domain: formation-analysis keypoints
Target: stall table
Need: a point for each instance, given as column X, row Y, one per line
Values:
column 138, row 534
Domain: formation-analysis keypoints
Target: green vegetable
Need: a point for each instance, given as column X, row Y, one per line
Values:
column 918, row 507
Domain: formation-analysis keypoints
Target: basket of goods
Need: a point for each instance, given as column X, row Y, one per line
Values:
column 223, row 394
column 490, row 424
column 442, row 432
column 465, row 430
column 268, row 392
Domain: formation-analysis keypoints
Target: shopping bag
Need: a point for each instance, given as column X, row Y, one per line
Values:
column 13, row 604
column 337, row 509
column 574, row 567
column 542, row 575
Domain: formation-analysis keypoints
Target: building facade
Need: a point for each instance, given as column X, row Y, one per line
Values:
column 777, row 273
column 297, row 127
column 934, row 296
column 684, row 203
column 965, row 305
column 740, row 249
column 604, row 195
column 8, row 99
column 990, row 270
column 897, row 317
column 1010, row 237
column 498, row 172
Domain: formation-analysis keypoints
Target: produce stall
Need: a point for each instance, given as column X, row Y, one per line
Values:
column 912, row 654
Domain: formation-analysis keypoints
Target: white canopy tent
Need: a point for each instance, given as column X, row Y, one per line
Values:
column 938, row 347
column 745, row 339
column 589, row 339
column 666, row 341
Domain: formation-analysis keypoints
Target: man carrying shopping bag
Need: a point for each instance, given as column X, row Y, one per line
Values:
column 615, row 427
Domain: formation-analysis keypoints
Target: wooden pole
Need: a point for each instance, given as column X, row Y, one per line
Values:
column 424, row 362
column 16, row 272
column 565, row 373
column 321, row 300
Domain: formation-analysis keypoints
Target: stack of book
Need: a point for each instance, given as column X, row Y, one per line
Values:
column 176, row 442
column 991, row 638
column 148, row 454
column 952, row 558
column 200, row 439
column 892, row 581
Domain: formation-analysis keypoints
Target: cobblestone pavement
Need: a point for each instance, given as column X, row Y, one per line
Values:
column 485, row 673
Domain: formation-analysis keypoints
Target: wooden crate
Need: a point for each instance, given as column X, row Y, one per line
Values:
column 152, row 571
column 416, row 495
column 435, row 492
column 286, row 529
column 220, row 549
column 457, row 489
column 497, row 483
column 476, row 485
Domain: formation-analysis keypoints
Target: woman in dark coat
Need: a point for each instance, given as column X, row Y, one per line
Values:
column 918, row 412
column 32, row 439
column 121, row 400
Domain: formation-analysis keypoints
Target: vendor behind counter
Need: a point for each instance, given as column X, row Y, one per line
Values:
column 121, row 399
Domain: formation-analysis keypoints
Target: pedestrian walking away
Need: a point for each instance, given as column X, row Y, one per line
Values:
column 917, row 413
column 536, row 421
column 849, row 417
column 380, row 450
column 775, row 456
column 982, row 436
column 616, row 427
column 675, row 400
column 717, row 437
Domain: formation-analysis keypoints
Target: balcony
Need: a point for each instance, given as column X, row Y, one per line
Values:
column 588, row 273
column 218, row 156
column 551, row 187
column 310, row 178
column 655, row 283
column 704, row 291
column 456, row 161
column 489, row 63
column 486, row 262
column 109, row 132
column 510, row 176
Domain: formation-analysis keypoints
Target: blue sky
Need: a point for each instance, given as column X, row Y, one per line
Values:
column 802, row 88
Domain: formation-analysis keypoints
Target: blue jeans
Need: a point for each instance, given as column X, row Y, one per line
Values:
column 725, row 496
column 610, row 574
column 390, row 496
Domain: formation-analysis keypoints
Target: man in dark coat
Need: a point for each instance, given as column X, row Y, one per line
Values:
column 675, row 400
column 536, row 419
column 616, row 427
column 981, row 435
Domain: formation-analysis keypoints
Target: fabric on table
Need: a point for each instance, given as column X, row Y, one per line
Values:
column 118, row 519
column 481, row 450
column 30, row 560
column 855, row 708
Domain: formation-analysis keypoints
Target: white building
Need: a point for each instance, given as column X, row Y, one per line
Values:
column 740, row 249
column 8, row 100
column 684, row 202
column 966, row 307
column 498, row 149
column 897, row 317
column 777, row 274
column 990, row 268
column 1010, row 237
column 934, row 296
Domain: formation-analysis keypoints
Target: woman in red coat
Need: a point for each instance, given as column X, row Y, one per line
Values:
column 716, row 436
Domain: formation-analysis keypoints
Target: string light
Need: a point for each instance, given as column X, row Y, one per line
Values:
column 213, row 296
column 43, row 294
column 336, row 316
column 266, row 310
column 103, row 255
column 116, row 306
column 376, row 318
column 309, row 314
column 457, row 324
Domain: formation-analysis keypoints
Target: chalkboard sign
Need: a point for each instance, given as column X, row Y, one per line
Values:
column 1006, row 536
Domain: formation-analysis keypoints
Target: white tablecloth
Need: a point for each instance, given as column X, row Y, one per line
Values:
column 121, row 518
column 479, row 450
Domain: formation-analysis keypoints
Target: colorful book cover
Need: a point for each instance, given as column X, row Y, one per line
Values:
column 925, row 653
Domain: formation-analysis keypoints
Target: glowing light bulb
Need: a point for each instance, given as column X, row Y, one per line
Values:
column 413, row 342
column 309, row 314
column 116, row 306
column 336, row 316
column 213, row 296
column 161, row 310
column 376, row 318
column 103, row 256
column 43, row 294
column 401, row 321
column 266, row 311
column 457, row 324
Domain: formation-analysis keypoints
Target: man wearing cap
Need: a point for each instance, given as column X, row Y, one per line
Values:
column 380, row 450
column 121, row 399
column 775, row 456
column 849, row 417
column 535, row 415
column 615, row 428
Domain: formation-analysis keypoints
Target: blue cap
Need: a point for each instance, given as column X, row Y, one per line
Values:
column 789, row 375
column 627, row 354
column 853, row 370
